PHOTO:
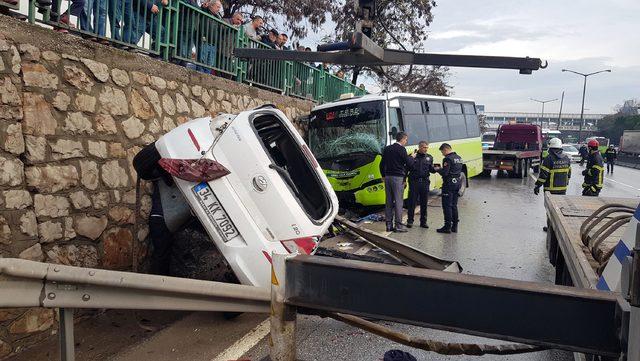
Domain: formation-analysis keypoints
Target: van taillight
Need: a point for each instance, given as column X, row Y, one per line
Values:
column 305, row 245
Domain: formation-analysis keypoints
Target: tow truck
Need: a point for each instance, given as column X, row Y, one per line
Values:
column 517, row 148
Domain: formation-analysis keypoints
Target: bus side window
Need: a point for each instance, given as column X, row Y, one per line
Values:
column 457, row 125
column 473, row 126
column 395, row 122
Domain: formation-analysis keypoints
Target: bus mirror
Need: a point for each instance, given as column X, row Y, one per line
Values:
column 393, row 132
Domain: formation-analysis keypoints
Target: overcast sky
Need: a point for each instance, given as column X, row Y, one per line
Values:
column 582, row 35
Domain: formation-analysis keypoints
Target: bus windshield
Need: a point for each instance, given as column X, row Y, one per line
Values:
column 345, row 130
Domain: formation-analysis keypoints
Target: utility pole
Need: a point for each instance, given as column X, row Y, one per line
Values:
column 560, row 113
column 584, row 91
column 543, row 103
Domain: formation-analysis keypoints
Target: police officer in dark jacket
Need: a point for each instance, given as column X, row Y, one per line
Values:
column 555, row 170
column 419, row 170
column 594, row 174
column 450, row 171
column 610, row 155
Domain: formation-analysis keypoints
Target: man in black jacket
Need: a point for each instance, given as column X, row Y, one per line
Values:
column 555, row 170
column 419, row 170
column 393, row 169
column 594, row 174
column 610, row 156
column 450, row 172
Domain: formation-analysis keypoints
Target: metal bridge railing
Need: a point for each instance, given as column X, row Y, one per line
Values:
column 141, row 24
column 178, row 31
column 204, row 40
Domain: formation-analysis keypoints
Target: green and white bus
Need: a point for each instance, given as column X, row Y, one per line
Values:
column 348, row 136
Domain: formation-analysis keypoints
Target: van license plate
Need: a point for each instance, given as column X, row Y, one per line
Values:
column 217, row 215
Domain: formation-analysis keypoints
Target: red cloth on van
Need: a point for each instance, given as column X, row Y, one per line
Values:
column 194, row 170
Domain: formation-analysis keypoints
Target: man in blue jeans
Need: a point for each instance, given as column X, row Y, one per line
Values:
column 393, row 169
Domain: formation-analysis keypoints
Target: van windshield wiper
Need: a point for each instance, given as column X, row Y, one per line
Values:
column 287, row 178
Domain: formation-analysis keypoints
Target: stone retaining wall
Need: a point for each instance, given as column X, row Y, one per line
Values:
column 72, row 116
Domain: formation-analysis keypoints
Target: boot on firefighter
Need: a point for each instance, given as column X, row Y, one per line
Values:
column 555, row 170
column 594, row 174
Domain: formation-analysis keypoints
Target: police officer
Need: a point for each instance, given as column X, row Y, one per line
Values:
column 419, row 170
column 450, row 171
column 594, row 174
column 610, row 155
column 555, row 170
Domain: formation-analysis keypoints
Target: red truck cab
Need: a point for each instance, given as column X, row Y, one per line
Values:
column 517, row 148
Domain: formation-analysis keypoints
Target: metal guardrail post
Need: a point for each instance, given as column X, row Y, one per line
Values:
column 283, row 316
column 67, row 343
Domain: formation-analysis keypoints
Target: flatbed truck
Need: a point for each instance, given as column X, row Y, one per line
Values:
column 517, row 148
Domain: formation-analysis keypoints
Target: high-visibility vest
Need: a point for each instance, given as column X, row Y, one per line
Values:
column 594, row 174
column 555, row 172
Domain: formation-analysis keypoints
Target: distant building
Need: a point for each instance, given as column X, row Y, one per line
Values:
column 569, row 121
column 479, row 108
column 569, row 124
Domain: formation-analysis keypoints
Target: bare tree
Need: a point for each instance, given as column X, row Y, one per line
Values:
column 400, row 24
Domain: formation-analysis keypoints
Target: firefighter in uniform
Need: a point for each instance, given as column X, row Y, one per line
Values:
column 594, row 174
column 555, row 170
column 450, row 171
column 610, row 155
column 419, row 169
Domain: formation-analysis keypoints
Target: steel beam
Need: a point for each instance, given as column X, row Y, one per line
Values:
column 407, row 254
column 32, row 284
column 532, row 313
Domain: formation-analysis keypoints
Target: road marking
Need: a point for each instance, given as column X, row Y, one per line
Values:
column 246, row 343
column 622, row 184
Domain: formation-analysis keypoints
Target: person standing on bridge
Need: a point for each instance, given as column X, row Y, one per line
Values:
column 450, row 172
column 594, row 174
column 393, row 169
column 419, row 171
column 555, row 170
column 611, row 154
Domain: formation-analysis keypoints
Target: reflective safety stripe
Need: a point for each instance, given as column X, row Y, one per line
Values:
column 564, row 180
column 545, row 168
column 542, row 180
column 598, row 167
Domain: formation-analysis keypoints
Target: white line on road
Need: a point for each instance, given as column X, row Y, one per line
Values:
column 246, row 343
column 622, row 184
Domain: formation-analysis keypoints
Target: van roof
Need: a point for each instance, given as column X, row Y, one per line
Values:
column 389, row 96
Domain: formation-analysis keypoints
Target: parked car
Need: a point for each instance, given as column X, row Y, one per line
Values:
column 488, row 138
column 572, row 152
column 268, row 193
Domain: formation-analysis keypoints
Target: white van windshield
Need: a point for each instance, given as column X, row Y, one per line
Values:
column 349, row 129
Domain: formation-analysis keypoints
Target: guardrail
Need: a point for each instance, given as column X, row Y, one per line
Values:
column 180, row 32
column 541, row 315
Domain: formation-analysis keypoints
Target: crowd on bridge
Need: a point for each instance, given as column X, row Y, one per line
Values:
column 124, row 23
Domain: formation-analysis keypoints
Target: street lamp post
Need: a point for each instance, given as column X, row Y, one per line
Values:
column 584, row 91
column 543, row 103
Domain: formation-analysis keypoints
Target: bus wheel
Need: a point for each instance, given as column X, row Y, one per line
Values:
column 486, row 173
column 525, row 169
column 463, row 184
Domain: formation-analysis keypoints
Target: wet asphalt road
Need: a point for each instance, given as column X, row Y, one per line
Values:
column 500, row 235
